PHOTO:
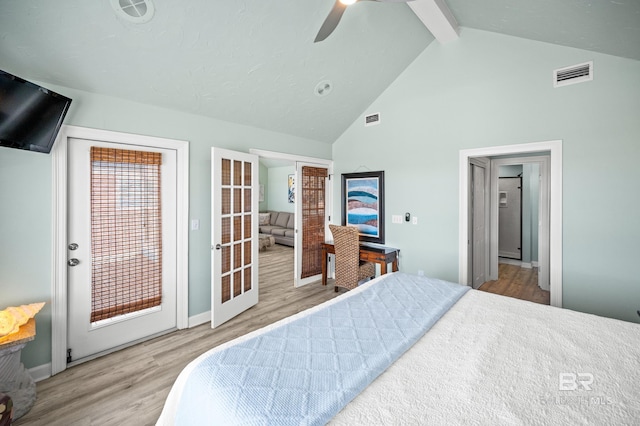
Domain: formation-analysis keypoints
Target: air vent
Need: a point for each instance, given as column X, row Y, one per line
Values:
column 372, row 119
column 574, row 74
column 136, row 11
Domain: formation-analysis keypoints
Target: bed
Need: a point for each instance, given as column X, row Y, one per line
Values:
column 423, row 351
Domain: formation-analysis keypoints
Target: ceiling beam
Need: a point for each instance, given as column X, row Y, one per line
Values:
column 437, row 17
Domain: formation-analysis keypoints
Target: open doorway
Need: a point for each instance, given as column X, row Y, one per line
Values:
column 519, row 211
column 276, row 219
column 295, row 188
column 475, row 166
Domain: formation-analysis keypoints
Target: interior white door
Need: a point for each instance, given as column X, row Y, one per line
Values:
column 121, row 244
column 478, row 219
column 234, row 234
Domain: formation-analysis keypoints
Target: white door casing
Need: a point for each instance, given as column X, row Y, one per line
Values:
column 234, row 234
column 60, row 220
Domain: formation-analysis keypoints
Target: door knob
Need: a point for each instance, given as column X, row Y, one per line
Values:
column 73, row 262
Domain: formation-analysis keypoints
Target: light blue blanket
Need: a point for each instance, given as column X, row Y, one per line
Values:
column 306, row 371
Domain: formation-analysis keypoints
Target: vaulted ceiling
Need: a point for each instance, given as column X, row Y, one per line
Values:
column 254, row 62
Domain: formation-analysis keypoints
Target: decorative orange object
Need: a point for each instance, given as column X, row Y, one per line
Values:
column 13, row 317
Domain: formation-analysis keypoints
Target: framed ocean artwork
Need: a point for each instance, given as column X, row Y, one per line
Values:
column 363, row 204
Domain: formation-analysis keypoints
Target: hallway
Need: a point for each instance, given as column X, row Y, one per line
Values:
column 516, row 281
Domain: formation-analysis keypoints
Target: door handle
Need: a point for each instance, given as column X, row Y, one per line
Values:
column 73, row 262
column 218, row 246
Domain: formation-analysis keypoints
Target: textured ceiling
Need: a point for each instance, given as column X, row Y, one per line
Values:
column 254, row 61
column 251, row 62
column 605, row 26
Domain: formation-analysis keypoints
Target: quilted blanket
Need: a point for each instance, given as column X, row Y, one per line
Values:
column 305, row 370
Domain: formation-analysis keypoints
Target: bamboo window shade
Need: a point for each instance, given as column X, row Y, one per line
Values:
column 126, row 232
column 313, row 219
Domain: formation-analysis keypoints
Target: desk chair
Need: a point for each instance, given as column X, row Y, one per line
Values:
column 349, row 269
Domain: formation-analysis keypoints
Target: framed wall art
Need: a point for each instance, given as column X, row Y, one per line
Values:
column 363, row 204
column 291, row 191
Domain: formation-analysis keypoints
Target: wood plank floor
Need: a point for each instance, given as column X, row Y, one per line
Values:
column 129, row 387
column 518, row 282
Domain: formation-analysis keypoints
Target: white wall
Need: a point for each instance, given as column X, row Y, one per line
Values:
column 278, row 187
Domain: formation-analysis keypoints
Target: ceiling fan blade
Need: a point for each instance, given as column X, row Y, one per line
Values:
column 331, row 22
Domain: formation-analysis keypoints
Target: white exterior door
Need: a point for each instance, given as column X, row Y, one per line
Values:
column 234, row 234
column 121, row 244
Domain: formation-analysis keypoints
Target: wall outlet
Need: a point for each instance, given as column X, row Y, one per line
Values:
column 195, row 224
column 396, row 218
column 420, row 273
column 415, row 220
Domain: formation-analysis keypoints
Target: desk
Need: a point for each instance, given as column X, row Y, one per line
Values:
column 381, row 255
column 15, row 380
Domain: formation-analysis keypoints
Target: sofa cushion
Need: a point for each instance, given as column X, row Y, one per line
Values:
column 283, row 218
column 263, row 218
column 278, row 231
column 289, row 233
column 266, row 229
column 291, row 224
column 273, row 218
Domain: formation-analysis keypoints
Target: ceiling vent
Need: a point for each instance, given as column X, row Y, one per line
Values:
column 136, row 11
column 573, row 74
column 372, row 119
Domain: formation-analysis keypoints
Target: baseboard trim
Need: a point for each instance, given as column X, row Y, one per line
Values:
column 40, row 372
column 199, row 319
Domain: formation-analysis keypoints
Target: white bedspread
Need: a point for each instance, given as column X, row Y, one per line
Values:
column 493, row 360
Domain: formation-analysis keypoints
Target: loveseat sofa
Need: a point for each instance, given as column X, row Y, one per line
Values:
column 278, row 224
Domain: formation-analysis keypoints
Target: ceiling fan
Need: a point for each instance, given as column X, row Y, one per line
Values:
column 334, row 16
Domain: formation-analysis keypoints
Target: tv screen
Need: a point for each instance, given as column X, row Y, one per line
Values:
column 30, row 115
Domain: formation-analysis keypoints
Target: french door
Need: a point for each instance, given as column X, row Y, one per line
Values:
column 234, row 234
column 121, row 244
column 312, row 208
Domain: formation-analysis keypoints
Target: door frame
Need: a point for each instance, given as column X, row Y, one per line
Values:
column 59, row 222
column 298, row 160
column 554, row 148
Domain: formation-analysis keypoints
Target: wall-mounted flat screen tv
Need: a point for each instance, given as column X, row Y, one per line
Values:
column 30, row 115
